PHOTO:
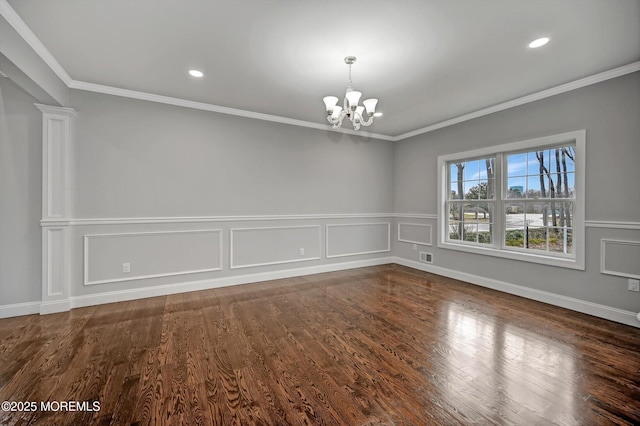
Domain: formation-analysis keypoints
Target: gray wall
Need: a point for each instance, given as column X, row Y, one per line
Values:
column 20, row 195
column 137, row 159
column 142, row 159
column 609, row 111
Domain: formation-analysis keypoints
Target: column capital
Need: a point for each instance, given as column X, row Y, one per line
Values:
column 50, row 109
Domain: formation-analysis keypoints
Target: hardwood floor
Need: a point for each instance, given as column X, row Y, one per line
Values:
column 381, row 345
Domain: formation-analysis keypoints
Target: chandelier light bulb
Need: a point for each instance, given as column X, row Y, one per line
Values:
column 330, row 102
column 370, row 105
column 353, row 97
column 336, row 112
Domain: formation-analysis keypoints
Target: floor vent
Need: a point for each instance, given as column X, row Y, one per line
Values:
column 426, row 257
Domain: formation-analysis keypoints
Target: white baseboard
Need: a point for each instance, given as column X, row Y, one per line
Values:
column 55, row 306
column 601, row 311
column 19, row 309
column 163, row 290
column 597, row 310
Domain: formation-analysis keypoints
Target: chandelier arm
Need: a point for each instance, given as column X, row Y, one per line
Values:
column 368, row 122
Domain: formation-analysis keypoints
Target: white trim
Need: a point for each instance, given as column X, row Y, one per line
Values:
column 25, row 32
column 55, row 306
column 279, row 262
column 86, row 238
column 497, row 248
column 162, row 290
column 603, row 257
column 28, row 36
column 612, row 224
column 422, row 243
column 595, row 309
column 416, row 216
column 133, row 94
column 359, row 253
column 50, row 109
column 203, row 219
column 19, row 309
column 557, row 90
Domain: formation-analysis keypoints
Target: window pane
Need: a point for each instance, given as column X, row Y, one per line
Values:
column 516, row 165
column 534, row 188
column 516, row 187
column 470, row 232
column 566, row 160
column 571, row 183
column 456, row 171
column 561, row 240
column 471, row 170
column 455, row 229
column 454, row 194
column 455, row 211
column 514, row 224
column 533, row 165
column 536, row 238
column 487, row 189
column 471, row 190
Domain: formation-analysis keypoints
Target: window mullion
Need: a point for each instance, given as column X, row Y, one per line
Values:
column 497, row 236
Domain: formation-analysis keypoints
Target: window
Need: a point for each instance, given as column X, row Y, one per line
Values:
column 523, row 200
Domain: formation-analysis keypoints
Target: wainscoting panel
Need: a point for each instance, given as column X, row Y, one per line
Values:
column 354, row 239
column 416, row 233
column 620, row 258
column 53, row 264
column 150, row 254
column 273, row 245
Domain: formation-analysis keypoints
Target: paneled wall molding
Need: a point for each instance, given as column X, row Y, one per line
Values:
column 87, row 256
column 294, row 258
column 412, row 239
column 628, row 268
column 366, row 250
column 57, row 133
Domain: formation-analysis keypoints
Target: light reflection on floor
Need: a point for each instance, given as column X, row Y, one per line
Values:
column 496, row 369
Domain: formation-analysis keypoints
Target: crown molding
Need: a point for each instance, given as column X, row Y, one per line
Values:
column 567, row 87
column 115, row 91
column 7, row 12
column 25, row 32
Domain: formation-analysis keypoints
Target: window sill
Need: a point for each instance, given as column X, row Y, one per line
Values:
column 570, row 263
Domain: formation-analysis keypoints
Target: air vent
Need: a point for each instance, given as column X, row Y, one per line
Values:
column 426, row 257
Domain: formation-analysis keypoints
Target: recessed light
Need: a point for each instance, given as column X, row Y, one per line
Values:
column 195, row 73
column 539, row 42
column 377, row 114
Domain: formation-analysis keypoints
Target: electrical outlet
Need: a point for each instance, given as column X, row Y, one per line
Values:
column 634, row 285
column 126, row 268
column 301, row 252
column 426, row 257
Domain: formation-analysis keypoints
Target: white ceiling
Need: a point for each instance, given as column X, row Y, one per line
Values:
column 427, row 61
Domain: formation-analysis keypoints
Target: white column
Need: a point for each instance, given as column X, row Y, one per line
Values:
column 57, row 131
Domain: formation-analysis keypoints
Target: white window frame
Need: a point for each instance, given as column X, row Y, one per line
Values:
column 497, row 247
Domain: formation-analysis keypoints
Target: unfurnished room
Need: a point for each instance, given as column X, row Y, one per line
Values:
column 279, row 212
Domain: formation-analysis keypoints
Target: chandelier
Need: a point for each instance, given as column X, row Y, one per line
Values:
column 351, row 109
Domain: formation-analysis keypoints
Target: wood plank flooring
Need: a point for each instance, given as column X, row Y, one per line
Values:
column 382, row 345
